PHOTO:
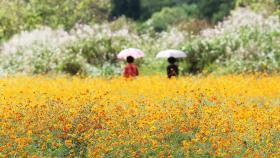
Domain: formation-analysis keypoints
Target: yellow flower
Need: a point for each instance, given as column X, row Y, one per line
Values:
column 44, row 146
column 67, row 127
column 80, row 128
column 115, row 117
column 68, row 143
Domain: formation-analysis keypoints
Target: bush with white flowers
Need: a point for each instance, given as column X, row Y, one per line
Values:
column 245, row 42
column 37, row 51
column 85, row 49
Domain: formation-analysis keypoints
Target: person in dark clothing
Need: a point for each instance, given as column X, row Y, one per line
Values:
column 172, row 69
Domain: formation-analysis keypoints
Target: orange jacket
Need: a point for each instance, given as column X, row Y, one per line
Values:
column 130, row 70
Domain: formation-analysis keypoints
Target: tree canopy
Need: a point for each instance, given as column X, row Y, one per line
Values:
column 19, row 15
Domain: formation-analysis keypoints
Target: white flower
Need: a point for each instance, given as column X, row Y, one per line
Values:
column 240, row 18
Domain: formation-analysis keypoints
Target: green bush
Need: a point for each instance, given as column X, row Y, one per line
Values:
column 72, row 67
column 160, row 21
column 215, row 10
column 246, row 42
column 18, row 15
column 46, row 50
column 87, row 50
column 264, row 6
column 149, row 7
column 129, row 8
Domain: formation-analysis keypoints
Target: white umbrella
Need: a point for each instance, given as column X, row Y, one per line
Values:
column 135, row 53
column 171, row 53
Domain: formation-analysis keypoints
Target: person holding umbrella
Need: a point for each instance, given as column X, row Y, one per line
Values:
column 172, row 69
column 131, row 70
column 171, row 55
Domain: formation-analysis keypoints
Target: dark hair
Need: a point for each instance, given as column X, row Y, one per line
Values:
column 171, row 60
column 130, row 59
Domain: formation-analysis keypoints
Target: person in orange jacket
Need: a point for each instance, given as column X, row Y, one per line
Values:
column 130, row 69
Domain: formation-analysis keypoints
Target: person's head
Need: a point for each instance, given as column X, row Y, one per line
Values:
column 130, row 59
column 171, row 60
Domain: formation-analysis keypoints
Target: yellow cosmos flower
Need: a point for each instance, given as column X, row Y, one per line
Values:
column 224, row 116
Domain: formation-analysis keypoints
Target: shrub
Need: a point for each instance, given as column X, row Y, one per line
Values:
column 37, row 51
column 149, row 7
column 129, row 8
column 264, row 6
column 193, row 26
column 88, row 50
column 160, row 21
column 47, row 50
column 18, row 15
column 215, row 10
column 245, row 42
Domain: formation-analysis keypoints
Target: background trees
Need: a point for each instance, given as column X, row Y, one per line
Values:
column 18, row 15
column 85, row 35
column 128, row 8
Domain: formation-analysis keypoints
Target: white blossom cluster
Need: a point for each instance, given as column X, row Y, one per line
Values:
column 243, row 18
column 37, row 49
column 244, row 41
column 247, row 41
column 43, row 38
column 46, row 50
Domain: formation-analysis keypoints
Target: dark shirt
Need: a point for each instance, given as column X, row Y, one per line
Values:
column 172, row 71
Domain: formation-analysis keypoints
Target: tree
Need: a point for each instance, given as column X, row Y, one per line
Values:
column 215, row 10
column 151, row 6
column 128, row 8
column 19, row 15
column 134, row 9
column 267, row 7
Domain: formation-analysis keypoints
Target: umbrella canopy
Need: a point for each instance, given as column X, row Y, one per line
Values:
column 135, row 53
column 171, row 53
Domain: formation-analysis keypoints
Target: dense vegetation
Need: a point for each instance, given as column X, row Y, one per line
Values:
column 84, row 36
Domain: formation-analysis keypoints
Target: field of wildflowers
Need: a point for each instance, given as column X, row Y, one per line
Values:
column 210, row 116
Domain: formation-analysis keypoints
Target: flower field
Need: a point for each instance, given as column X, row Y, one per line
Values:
column 211, row 116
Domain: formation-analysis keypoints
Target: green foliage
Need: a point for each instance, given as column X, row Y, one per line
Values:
column 150, row 7
column 265, row 6
column 215, row 10
column 88, row 50
column 144, row 9
column 129, row 8
column 168, row 16
column 18, row 15
column 12, row 17
column 243, row 49
column 66, row 46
